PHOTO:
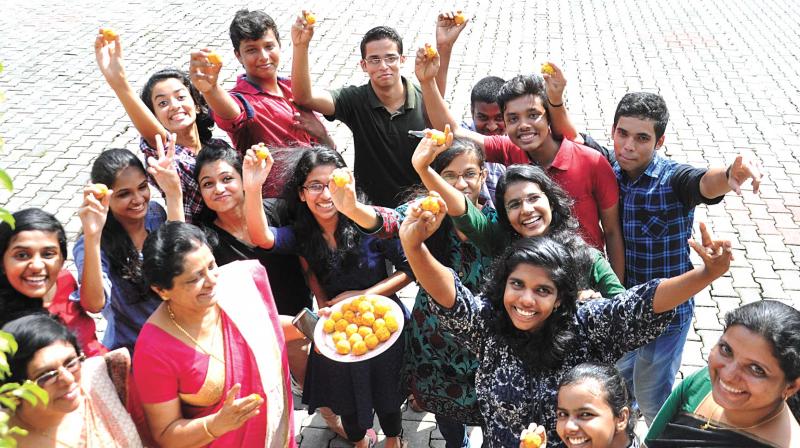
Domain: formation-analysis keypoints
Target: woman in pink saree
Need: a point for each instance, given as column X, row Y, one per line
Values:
column 210, row 364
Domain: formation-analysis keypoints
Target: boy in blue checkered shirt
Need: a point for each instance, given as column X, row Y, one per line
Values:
column 657, row 201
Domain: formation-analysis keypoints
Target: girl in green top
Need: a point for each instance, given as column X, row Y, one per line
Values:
column 529, row 203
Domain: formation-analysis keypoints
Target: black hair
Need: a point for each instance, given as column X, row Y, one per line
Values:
column 251, row 25
column 204, row 121
column 546, row 347
column 213, row 152
column 485, row 91
column 522, row 85
column 33, row 333
column 645, row 106
column 14, row 304
column 117, row 245
column 615, row 391
column 440, row 243
column 378, row 33
column 165, row 251
column 312, row 245
column 560, row 202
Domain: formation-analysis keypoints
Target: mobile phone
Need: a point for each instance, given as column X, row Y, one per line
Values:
column 305, row 321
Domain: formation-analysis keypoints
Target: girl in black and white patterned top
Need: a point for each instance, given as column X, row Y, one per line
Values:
column 526, row 330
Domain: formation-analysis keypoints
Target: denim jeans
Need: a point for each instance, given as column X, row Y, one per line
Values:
column 454, row 433
column 650, row 370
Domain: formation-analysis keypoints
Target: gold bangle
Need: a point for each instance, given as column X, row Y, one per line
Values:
column 205, row 426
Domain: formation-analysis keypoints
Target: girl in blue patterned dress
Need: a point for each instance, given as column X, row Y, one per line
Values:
column 526, row 330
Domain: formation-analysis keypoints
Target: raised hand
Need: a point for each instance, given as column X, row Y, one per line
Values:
column 94, row 210
column 344, row 196
column 448, row 28
column 109, row 59
column 163, row 168
column 256, row 166
column 426, row 66
column 234, row 412
column 555, row 84
column 420, row 224
column 307, row 121
column 302, row 31
column 716, row 254
column 202, row 72
column 742, row 169
column 428, row 149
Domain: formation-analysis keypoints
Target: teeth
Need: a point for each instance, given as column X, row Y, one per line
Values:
column 531, row 221
column 577, row 440
column 524, row 312
column 729, row 388
column 328, row 205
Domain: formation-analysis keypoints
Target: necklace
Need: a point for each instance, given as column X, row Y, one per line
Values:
column 196, row 342
column 707, row 425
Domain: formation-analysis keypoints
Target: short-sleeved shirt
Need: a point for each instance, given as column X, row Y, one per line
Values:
column 583, row 173
column 127, row 306
column 383, row 150
column 264, row 118
column 185, row 160
column 510, row 393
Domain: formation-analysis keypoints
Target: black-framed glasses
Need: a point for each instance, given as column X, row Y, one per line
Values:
column 315, row 188
column 389, row 60
column 72, row 366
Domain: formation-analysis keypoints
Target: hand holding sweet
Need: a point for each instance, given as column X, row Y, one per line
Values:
column 234, row 412
column 420, row 223
column 430, row 147
column 204, row 68
column 94, row 210
column 256, row 166
column 303, row 28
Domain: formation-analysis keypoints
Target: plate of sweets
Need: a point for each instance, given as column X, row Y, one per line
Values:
column 359, row 328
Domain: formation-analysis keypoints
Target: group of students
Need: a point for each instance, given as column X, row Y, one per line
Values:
column 549, row 261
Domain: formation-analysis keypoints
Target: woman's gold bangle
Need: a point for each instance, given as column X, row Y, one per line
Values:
column 205, row 426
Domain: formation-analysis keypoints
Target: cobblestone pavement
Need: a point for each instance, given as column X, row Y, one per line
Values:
column 729, row 72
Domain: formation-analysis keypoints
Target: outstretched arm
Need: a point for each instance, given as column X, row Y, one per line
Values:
column 109, row 60
column 204, row 75
column 716, row 255
column 93, row 214
column 426, row 152
column 302, row 91
column 432, row 276
column 554, row 84
column 254, row 174
column 718, row 181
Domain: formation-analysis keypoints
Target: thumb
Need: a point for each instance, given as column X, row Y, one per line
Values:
column 232, row 394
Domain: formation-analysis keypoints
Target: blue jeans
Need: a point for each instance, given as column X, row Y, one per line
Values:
column 454, row 433
column 650, row 370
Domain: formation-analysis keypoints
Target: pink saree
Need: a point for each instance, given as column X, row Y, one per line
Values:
column 255, row 357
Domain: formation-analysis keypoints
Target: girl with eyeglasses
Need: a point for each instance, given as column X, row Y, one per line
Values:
column 346, row 263
column 33, row 279
column 86, row 406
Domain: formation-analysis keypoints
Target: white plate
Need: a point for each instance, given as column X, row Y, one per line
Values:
column 324, row 341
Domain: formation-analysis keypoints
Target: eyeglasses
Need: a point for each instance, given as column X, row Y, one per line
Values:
column 470, row 177
column 530, row 199
column 71, row 366
column 315, row 188
column 389, row 60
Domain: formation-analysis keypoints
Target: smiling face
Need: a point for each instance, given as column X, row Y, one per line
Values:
column 64, row 392
column 526, row 122
column 635, row 144
column 194, row 289
column 173, row 105
column 221, row 186
column 261, row 57
column 382, row 72
column 488, row 119
column 530, row 297
column 527, row 208
column 320, row 204
column 745, row 375
column 131, row 195
column 32, row 261
column 584, row 418
column 466, row 175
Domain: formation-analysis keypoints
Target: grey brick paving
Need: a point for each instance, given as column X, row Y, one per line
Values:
column 728, row 70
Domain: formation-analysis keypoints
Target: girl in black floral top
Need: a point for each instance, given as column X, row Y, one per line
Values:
column 526, row 330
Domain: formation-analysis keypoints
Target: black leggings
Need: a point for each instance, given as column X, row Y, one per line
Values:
column 391, row 423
